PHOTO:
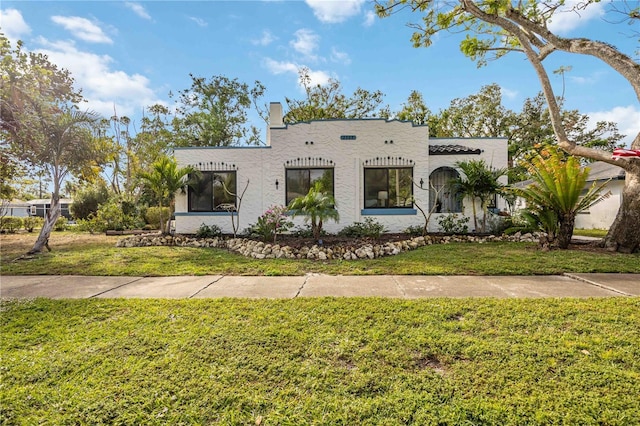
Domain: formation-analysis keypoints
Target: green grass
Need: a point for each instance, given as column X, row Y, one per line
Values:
column 84, row 255
column 321, row 361
column 598, row 233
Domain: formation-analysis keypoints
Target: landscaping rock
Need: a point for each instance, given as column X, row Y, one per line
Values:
column 260, row 250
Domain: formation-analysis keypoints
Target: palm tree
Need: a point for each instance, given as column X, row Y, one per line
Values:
column 479, row 182
column 557, row 192
column 316, row 206
column 164, row 180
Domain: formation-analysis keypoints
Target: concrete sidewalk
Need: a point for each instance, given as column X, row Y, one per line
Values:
column 316, row 285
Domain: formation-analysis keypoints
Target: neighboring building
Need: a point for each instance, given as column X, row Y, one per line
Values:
column 15, row 207
column 602, row 215
column 41, row 206
column 374, row 167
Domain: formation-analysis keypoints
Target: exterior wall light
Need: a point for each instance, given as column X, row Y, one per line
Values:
column 277, row 183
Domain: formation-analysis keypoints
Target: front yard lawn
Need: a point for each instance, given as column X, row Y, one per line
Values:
column 321, row 361
column 83, row 254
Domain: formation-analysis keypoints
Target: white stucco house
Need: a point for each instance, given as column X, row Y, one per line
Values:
column 375, row 168
column 602, row 215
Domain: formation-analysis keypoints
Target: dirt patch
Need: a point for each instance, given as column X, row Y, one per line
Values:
column 15, row 245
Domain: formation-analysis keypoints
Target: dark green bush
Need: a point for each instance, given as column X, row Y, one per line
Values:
column 414, row 231
column 87, row 200
column 454, row 223
column 208, row 231
column 370, row 228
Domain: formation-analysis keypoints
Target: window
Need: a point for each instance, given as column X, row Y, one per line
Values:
column 299, row 181
column 207, row 193
column 441, row 199
column 388, row 187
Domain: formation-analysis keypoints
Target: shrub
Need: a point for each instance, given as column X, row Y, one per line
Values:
column 369, row 228
column 32, row 222
column 61, row 224
column 91, row 225
column 414, row 231
column 208, row 231
column 118, row 214
column 454, row 224
column 10, row 224
column 152, row 215
column 305, row 232
column 87, row 200
column 273, row 222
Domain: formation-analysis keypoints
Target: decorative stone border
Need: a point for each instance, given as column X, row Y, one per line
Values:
column 261, row 250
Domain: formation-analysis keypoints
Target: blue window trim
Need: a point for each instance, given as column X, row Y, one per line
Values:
column 389, row 212
column 206, row 213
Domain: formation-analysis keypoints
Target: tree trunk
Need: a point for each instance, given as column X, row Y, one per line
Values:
column 475, row 215
column 49, row 222
column 162, row 225
column 624, row 233
column 565, row 231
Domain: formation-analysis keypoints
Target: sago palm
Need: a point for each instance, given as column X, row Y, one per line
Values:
column 559, row 187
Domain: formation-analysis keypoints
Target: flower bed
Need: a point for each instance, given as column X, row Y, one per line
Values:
column 345, row 250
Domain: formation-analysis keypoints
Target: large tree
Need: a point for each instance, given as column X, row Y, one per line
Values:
column 213, row 112
column 478, row 115
column 532, row 129
column 328, row 101
column 41, row 122
column 497, row 27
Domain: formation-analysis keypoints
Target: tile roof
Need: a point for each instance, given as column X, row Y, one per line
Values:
column 452, row 150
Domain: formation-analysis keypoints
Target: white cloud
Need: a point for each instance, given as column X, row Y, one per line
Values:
column 305, row 42
column 627, row 117
column 340, row 57
column 573, row 15
column 277, row 67
column 369, row 18
column 334, row 11
column 138, row 9
column 82, row 28
column 201, row 22
column 13, row 25
column 319, row 77
column 266, row 39
column 508, row 93
column 102, row 86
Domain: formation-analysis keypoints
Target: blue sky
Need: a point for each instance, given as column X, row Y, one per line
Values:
column 129, row 55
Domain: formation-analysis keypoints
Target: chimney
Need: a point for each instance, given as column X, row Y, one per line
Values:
column 275, row 115
column 275, row 119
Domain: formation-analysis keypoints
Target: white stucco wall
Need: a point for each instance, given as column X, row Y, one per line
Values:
column 494, row 153
column 262, row 166
column 602, row 215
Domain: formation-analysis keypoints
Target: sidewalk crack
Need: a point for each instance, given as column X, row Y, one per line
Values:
column 206, row 287
column 306, row 277
column 404, row 293
column 115, row 288
column 596, row 284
